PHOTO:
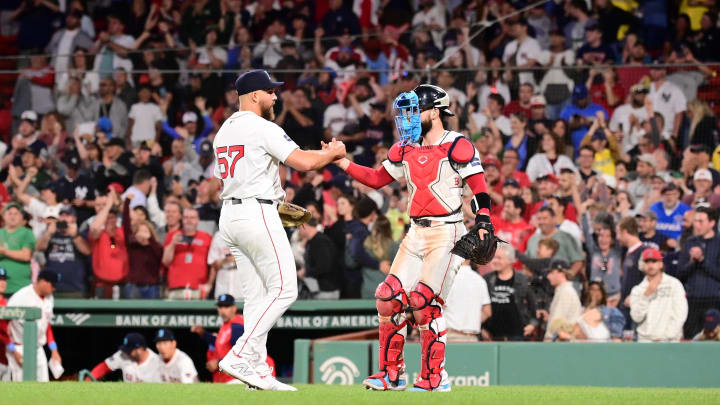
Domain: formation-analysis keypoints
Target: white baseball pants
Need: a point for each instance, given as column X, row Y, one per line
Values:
column 424, row 255
column 16, row 370
column 256, row 237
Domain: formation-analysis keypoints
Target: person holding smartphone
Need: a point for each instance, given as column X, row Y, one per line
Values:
column 185, row 254
column 64, row 250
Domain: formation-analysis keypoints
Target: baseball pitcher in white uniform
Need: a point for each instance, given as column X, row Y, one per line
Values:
column 137, row 362
column 436, row 164
column 38, row 295
column 176, row 365
column 249, row 148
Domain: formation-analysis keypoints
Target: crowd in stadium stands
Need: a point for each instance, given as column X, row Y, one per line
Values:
column 600, row 158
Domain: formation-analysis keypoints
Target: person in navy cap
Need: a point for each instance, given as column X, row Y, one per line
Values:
column 230, row 331
column 137, row 362
column 580, row 114
column 176, row 367
column 249, row 148
column 711, row 326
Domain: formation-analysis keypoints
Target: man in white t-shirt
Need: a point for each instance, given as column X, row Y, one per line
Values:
column 461, row 36
column 47, row 206
column 467, row 306
column 668, row 100
column 176, row 366
column 211, row 56
column 628, row 117
column 446, row 80
column 337, row 116
column 494, row 111
column 137, row 362
column 431, row 15
column 65, row 41
column 112, row 48
column 145, row 118
column 523, row 51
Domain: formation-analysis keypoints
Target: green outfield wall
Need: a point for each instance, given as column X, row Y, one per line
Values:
column 483, row 364
column 304, row 315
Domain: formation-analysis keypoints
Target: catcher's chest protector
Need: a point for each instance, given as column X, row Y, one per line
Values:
column 435, row 187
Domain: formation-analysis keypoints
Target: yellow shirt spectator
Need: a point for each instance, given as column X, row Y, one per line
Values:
column 604, row 162
column 398, row 219
column 695, row 10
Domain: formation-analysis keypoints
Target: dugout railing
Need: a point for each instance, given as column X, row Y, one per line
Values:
column 30, row 342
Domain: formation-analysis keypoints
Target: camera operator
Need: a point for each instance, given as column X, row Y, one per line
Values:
column 64, row 248
column 185, row 255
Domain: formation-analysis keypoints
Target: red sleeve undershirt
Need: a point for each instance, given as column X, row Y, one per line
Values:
column 49, row 334
column 100, row 370
column 478, row 186
column 374, row 178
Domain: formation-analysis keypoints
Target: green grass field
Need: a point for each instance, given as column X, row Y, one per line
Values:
column 175, row 394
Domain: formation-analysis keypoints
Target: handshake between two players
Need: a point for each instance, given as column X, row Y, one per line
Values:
column 436, row 165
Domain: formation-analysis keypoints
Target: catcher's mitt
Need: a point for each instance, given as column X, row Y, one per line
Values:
column 293, row 215
column 479, row 251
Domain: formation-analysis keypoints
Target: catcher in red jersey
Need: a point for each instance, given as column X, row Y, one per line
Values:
column 436, row 164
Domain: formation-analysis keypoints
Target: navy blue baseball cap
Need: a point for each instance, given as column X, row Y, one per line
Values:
column 3, row 273
column 225, row 300
column 254, row 80
column 49, row 276
column 164, row 334
column 579, row 92
column 712, row 319
column 511, row 182
column 132, row 341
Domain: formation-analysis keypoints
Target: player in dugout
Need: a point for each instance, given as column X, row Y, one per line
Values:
column 177, row 366
column 219, row 344
column 137, row 362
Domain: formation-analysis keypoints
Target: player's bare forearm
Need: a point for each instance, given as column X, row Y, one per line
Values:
column 306, row 160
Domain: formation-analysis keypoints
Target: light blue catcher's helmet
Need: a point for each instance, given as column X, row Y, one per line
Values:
column 407, row 117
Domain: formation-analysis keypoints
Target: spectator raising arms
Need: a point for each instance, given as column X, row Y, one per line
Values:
column 144, row 255
column 109, row 249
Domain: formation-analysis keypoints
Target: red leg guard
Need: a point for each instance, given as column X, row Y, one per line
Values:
column 428, row 314
column 424, row 304
column 391, row 302
column 432, row 352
